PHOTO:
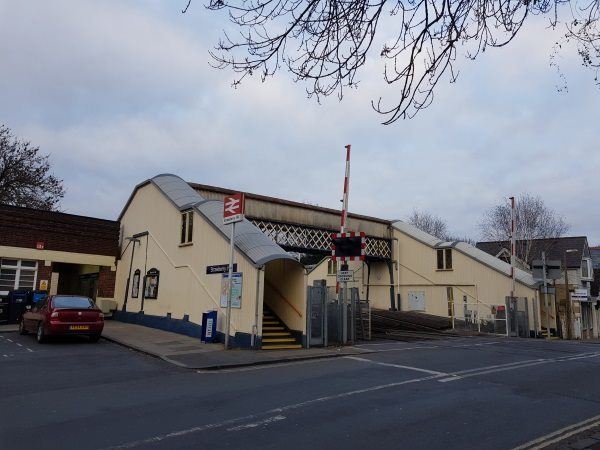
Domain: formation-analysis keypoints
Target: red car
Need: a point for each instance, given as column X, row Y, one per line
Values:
column 63, row 315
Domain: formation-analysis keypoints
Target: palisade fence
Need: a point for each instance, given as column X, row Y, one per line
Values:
column 332, row 320
column 494, row 319
column 480, row 317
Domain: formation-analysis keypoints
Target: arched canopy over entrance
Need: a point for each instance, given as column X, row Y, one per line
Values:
column 285, row 293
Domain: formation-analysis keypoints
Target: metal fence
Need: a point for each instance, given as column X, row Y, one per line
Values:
column 493, row 319
column 333, row 320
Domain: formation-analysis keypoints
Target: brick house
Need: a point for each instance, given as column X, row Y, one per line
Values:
column 57, row 252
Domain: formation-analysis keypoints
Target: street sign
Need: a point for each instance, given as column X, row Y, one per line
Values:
column 233, row 208
column 344, row 276
column 579, row 294
column 348, row 246
column 220, row 268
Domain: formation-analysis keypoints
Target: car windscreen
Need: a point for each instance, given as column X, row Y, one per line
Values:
column 72, row 302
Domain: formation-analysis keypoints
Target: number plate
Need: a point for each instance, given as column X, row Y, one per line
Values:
column 79, row 327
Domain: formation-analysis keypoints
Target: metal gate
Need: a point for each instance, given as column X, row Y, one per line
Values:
column 329, row 321
column 518, row 316
column 317, row 314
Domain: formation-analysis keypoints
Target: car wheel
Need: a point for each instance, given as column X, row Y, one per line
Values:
column 22, row 329
column 41, row 337
column 94, row 338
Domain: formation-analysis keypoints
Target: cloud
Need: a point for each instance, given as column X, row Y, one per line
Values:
column 118, row 93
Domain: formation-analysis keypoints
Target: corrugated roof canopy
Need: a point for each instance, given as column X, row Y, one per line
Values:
column 252, row 242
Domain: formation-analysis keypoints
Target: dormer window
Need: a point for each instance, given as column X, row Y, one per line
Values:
column 444, row 259
column 187, row 227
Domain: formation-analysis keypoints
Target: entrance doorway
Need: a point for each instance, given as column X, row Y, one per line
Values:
column 76, row 279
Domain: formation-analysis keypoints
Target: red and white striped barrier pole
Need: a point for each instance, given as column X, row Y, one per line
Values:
column 344, row 205
column 346, row 190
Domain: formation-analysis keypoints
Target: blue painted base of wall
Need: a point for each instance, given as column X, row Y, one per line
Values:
column 179, row 326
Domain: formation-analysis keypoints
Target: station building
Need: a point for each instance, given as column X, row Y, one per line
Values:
column 57, row 253
column 175, row 247
column 162, row 264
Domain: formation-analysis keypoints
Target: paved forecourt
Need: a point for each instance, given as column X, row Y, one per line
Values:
column 457, row 393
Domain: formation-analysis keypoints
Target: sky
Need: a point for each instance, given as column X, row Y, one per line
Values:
column 117, row 92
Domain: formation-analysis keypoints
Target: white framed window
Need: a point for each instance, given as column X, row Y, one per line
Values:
column 444, row 259
column 586, row 269
column 17, row 274
column 331, row 267
column 187, row 227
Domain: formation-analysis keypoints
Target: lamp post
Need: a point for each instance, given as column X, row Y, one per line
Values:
column 567, row 296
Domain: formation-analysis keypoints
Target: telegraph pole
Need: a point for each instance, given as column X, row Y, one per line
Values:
column 546, row 302
column 513, row 251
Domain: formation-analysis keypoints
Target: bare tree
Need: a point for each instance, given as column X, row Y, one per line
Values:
column 25, row 178
column 534, row 220
column 326, row 42
column 429, row 223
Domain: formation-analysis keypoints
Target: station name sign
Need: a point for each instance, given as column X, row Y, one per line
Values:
column 221, row 268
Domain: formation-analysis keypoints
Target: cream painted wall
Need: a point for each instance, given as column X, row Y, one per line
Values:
column 319, row 272
column 184, row 287
column 285, row 292
column 480, row 284
column 56, row 256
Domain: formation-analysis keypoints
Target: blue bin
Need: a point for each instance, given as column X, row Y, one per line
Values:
column 209, row 326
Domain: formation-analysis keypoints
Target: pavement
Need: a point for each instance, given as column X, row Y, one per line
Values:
column 461, row 393
column 191, row 353
column 9, row 328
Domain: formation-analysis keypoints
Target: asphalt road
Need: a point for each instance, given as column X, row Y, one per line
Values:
column 460, row 393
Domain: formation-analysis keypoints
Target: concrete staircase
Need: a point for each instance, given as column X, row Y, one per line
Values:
column 275, row 335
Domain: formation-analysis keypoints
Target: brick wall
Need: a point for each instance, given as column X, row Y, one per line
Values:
column 44, row 273
column 106, row 282
column 24, row 227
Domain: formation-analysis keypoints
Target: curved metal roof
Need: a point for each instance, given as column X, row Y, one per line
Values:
column 249, row 240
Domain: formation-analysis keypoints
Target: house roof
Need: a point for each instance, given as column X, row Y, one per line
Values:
column 249, row 240
column 467, row 249
column 555, row 249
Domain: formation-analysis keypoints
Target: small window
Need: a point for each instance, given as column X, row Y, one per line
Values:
column 331, row 267
column 444, row 259
column 7, row 279
column 448, row 259
column 151, row 284
column 585, row 268
column 187, row 227
column 135, row 288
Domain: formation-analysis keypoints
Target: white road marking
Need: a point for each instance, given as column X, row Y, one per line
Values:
column 20, row 345
column 175, row 434
column 561, row 434
column 401, row 349
column 397, row 366
column 6, row 356
column 257, row 424
column 485, row 372
column 29, row 350
column 474, row 345
column 513, row 366
column 9, row 340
